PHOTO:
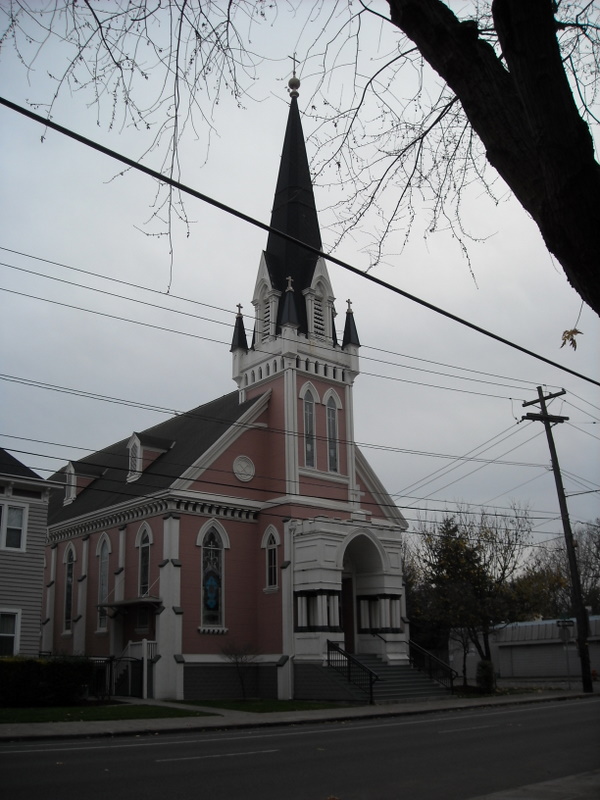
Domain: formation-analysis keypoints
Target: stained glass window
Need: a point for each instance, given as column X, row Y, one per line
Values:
column 212, row 579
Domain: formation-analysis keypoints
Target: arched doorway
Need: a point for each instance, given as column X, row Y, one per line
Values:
column 362, row 574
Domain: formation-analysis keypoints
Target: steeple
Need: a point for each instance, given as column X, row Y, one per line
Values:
column 294, row 212
column 294, row 332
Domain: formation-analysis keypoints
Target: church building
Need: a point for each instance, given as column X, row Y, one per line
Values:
column 249, row 530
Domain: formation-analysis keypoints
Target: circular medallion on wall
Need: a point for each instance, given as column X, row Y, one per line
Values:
column 243, row 468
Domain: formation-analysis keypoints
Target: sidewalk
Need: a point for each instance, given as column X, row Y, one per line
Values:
column 585, row 786
column 224, row 718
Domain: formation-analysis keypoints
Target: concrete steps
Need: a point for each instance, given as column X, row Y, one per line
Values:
column 400, row 682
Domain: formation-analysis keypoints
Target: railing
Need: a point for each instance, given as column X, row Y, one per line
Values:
column 143, row 649
column 144, row 652
column 127, row 674
column 356, row 673
column 437, row 669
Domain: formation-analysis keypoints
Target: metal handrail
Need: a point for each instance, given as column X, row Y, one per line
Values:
column 437, row 669
column 351, row 668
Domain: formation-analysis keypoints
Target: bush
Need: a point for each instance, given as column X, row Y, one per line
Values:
column 27, row 682
column 486, row 679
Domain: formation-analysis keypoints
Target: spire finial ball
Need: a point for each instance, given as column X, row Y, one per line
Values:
column 294, row 85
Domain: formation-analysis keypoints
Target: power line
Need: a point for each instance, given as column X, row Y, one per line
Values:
column 159, row 409
column 257, row 349
column 107, row 451
column 127, row 490
column 188, row 334
column 315, row 251
column 484, row 464
column 442, row 471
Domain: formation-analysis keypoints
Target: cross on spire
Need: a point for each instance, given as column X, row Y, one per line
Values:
column 293, row 83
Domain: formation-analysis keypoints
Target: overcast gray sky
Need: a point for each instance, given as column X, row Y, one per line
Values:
column 430, row 391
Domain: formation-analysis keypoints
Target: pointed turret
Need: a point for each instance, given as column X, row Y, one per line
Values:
column 294, row 212
column 289, row 314
column 350, row 332
column 239, row 340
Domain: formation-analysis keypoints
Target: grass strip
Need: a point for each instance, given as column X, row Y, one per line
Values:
column 91, row 713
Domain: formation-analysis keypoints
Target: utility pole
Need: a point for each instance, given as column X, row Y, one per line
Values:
column 580, row 610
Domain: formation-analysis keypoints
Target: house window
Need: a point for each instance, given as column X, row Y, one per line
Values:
column 9, row 629
column 212, row 579
column 271, row 562
column 309, row 430
column 144, row 571
column 103, row 585
column 12, row 527
column 70, row 568
column 332, row 436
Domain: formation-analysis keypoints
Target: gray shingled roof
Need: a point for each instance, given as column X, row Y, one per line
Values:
column 11, row 466
column 192, row 434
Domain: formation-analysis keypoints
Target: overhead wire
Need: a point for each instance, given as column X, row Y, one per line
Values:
column 193, row 413
column 127, row 489
column 48, row 123
column 442, row 471
column 323, row 347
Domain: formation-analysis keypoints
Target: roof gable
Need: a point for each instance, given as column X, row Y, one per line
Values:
column 192, row 434
column 11, row 466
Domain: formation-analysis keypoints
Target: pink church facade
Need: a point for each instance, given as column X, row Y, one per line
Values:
column 250, row 526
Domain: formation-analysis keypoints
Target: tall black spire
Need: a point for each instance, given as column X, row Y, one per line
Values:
column 294, row 212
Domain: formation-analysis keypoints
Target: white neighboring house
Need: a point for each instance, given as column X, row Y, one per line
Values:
column 535, row 649
column 23, row 518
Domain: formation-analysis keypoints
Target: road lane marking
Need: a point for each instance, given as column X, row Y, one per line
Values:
column 155, row 739
column 472, row 728
column 216, row 755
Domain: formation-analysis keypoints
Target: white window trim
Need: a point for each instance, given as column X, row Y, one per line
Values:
column 4, row 525
column 307, row 388
column 135, row 468
column 333, row 436
column 17, row 612
column 70, row 484
column 271, row 531
column 145, row 530
column 225, row 545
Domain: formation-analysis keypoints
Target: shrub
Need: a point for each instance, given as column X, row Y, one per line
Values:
column 26, row 682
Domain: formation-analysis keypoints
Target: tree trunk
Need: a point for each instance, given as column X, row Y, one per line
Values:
column 525, row 115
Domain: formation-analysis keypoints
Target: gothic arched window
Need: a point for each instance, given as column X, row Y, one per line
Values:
column 332, row 436
column 69, row 575
column 144, row 570
column 212, row 579
column 103, row 584
column 309, row 430
column 271, row 562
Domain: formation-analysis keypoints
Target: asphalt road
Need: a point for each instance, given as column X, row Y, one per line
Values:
column 446, row 756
